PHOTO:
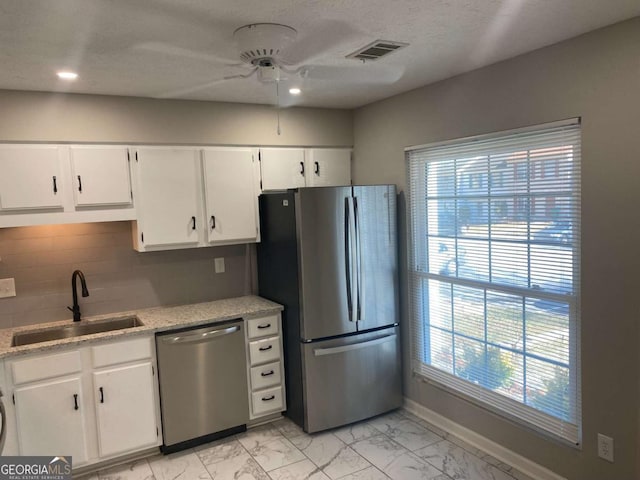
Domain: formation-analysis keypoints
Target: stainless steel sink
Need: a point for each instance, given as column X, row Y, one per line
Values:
column 75, row 330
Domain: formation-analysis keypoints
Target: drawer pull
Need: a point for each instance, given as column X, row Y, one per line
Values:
column 269, row 398
column 264, row 325
column 264, row 349
column 266, row 374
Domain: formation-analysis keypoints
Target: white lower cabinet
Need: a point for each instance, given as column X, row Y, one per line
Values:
column 92, row 403
column 51, row 419
column 265, row 366
column 123, row 397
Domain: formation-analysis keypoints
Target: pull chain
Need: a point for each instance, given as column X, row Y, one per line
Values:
column 278, row 105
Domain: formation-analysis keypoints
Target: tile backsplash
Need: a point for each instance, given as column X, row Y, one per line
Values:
column 42, row 259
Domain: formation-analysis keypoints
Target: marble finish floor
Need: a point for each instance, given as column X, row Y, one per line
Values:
column 398, row 446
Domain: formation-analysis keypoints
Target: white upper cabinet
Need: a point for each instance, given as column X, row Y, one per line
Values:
column 100, row 175
column 231, row 194
column 167, row 197
column 282, row 168
column 328, row 167
column 30, row 177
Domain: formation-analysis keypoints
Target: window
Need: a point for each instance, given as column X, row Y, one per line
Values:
column 494, row 272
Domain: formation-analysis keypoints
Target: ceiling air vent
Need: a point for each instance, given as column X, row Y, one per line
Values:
column 377, row 49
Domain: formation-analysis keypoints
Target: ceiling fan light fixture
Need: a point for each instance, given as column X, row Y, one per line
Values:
column 295, row 91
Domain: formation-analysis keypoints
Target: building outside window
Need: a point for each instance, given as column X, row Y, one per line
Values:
column 494, row 272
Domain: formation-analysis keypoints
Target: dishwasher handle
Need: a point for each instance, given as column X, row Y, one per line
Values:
column 200, row 336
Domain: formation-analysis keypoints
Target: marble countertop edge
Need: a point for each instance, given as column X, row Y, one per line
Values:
column 154, row 319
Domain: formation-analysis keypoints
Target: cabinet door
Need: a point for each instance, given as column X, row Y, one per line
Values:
column 231, row 197
column 125, row 409
column 282, row 168
column 100, row 176
column 168, row 196
column 30, row 177
column 328, row 167
column 51, row 419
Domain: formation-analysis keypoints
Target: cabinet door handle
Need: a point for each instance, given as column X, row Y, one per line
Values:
column 269, row 398
column 101, row 395
column 213, row 222
column 75, row 401
column 264, row 325
column 79, row 183
column 55, row 185
column 302, row 168
column 317, row 170
column 264, row 349
column 266, row 374
column 193, row 220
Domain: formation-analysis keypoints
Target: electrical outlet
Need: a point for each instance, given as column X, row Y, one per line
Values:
column 219, row 264
column 605, row 447
column 7, row 287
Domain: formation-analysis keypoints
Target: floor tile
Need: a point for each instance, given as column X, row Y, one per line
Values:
column 387, row 421
column 258, row 436
column 304, row 470
column 219, row 451
column 356, row 432
column 460, row 464
column 330, row 454
column 411, row 435
column 239, row 467
column 381, row 451
column 288, row 428
column 409, row 467
column 178, row 466
column 370, row 473
column 276, row 453
column 139, row 470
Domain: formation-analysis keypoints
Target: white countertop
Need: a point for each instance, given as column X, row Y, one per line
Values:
column 154, row 320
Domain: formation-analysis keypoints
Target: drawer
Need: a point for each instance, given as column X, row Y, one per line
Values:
column 263, row 326
column 266, row 401
column 121, row 352
column 263, row 351
column 265, row 376
column 47, row 366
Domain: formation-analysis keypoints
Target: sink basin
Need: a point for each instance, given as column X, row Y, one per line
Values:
column 75, row 330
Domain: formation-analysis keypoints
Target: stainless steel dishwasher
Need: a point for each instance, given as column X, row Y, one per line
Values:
column 203, row 383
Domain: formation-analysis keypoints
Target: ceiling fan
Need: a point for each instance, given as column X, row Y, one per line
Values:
column 267, row 52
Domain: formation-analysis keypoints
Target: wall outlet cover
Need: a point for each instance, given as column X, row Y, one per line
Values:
column 7, row 287
column 219, row 264
column 605, row 447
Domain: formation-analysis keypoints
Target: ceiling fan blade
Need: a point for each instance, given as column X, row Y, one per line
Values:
column 365, row 73
column 192, row 89
column 320, row 39
column 175, row 51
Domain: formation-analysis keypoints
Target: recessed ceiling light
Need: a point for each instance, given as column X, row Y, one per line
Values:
column 295, row 91
column 67, row 75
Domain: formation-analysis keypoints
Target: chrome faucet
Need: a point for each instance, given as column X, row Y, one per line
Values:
column 85, row 293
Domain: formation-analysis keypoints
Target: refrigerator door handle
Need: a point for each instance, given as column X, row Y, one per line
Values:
column 318, row 352
column 358, row 260
column 347, row 255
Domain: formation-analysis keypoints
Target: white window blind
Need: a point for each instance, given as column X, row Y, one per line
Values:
column 494, row 272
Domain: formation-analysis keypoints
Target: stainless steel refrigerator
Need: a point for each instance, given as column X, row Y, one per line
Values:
column 329, row 255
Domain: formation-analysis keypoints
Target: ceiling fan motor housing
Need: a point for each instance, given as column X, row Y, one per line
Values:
column 260, row 43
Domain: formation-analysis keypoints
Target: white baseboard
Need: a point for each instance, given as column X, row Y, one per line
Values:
column 526, row 466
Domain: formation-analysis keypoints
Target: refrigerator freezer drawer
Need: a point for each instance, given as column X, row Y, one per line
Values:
column 263, row 326
column 353, row 378
column 265, row 376
column 263, row 351
column 267, row 400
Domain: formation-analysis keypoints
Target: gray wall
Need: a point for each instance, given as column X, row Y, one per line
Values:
column 41, row 259
column 596, row 77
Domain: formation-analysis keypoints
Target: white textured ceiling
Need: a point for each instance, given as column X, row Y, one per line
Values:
column 164, row 48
